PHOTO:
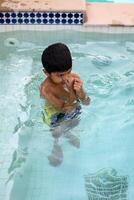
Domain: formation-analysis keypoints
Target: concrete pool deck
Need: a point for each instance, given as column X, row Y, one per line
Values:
column 113, row 14
column 42, row 5
column 96, row 14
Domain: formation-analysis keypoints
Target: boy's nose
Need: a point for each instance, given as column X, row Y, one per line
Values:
column 66, row 76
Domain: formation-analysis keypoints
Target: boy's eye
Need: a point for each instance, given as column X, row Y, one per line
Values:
column 60, row 75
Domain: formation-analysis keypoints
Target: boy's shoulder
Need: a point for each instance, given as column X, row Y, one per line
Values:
column 45, row 87
column 45, row 82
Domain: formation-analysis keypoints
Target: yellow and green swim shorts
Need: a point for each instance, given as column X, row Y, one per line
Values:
column 52, row 117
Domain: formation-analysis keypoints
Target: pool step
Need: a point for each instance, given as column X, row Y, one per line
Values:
column 111, row 14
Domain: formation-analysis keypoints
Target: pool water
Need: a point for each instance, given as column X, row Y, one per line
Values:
column 96, row 156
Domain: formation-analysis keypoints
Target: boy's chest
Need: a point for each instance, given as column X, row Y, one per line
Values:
column 61, row 91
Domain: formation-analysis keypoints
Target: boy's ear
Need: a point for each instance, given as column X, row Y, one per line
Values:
column 46, row 73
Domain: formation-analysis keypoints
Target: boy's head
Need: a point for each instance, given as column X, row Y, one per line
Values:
column 56, row 58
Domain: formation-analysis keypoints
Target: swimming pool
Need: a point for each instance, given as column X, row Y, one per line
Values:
column 97, row 160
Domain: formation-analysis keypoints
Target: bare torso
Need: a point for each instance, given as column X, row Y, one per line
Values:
column 60, row 91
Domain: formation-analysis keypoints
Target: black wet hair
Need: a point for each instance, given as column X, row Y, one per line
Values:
column 56, row 58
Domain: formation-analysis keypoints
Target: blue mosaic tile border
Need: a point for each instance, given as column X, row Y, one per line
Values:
column 41, row 18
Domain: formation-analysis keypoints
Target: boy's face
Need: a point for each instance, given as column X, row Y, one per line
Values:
column 59, row 77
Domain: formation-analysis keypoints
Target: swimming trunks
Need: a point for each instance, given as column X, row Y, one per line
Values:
column 52, row 117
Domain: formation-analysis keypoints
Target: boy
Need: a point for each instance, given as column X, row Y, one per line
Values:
column 62, row 89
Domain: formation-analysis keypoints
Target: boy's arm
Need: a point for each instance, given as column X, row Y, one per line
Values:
column 83, row 97
column 75, row 84
column 80, row 92
column 59, row 104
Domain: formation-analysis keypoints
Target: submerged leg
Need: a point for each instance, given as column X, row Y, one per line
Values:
column 72, row 139
column 56, row 156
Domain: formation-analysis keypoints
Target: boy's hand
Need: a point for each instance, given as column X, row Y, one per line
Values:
column 70, row 80
column 77, row 86
column 74, row 83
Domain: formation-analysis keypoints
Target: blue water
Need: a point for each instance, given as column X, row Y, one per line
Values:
column 102, row 142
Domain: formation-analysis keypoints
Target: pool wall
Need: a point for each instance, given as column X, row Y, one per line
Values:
column 74, row 15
